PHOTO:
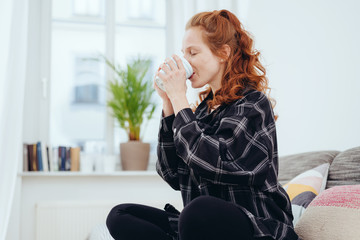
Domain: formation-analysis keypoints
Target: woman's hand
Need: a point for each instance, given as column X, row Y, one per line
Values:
column 174, row 78
column 167, row 106
column 174, row 82
column 159, row 91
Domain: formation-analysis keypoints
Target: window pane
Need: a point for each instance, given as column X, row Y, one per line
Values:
column 132, row 42
column 78, row 88
column 129, row 45
column 140, row 31
column 77, row 104
column 79, row 10
column 143, row 12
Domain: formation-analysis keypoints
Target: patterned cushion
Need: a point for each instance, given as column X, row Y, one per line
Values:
column 305, row 187
column 334, row 214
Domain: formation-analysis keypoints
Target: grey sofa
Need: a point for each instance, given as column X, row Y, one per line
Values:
column 344, row 170
column 344, row 166
column 326, row 221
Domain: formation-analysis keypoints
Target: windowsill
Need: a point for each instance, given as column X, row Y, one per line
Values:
column 89, row 174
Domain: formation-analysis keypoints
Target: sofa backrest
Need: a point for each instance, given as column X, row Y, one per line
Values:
column 292, row 165
column 345, row 168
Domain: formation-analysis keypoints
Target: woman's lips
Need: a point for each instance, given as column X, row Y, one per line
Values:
column 192, row 75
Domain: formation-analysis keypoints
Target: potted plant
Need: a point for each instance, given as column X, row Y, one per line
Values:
column 131, row 102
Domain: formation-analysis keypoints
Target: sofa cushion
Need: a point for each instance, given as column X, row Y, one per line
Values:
column 334, row 214
column 345, row 168
column 305, row 187
column 292, row 165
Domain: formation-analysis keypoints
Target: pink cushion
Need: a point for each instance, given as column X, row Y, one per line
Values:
column 341, row 196
column 334, row 214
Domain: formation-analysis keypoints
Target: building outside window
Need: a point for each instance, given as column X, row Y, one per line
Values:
column 88, row 81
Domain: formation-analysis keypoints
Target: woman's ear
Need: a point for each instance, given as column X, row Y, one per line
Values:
column 225, row 51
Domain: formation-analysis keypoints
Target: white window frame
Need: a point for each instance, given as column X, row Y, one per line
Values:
column 45, row 65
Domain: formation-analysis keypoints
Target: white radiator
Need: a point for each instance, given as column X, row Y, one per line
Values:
column 69, row 220
column 72, row 220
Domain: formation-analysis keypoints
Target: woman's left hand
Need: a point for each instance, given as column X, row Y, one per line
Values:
column 174, row 79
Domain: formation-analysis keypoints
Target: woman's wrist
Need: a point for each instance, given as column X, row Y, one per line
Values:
column 167, row 108
column 179, row 102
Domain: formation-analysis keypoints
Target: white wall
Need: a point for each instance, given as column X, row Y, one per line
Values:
column 31, row 116
column 311, row 54
column 311, row 50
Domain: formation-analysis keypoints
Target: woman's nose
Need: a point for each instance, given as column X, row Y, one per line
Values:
column 186, row 56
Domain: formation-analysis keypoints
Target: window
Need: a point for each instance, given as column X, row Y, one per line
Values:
column 81, row 30
column 141, row 9
column 88, row 7
column 88, row 81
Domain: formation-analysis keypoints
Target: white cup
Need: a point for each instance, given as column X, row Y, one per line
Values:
column 98, row 163
column 110, row 163
column 86, row 162
column 188, row 69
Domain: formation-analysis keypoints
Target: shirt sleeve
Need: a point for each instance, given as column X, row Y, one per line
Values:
column 167, row 162
column 239, row 152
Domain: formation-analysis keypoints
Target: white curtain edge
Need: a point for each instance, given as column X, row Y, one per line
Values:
column 11, row 125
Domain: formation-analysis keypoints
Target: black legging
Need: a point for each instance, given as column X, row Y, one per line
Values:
column 203, row 218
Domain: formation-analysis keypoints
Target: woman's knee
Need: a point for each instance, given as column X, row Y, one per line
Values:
column 200, row 205
column 212, row 218
column 135, row 221
column 193, row 222
column 116, row 217
column 193, row 214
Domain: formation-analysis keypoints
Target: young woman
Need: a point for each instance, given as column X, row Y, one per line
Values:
column 222, row 157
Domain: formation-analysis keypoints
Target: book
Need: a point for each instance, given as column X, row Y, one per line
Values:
column 68, row 159
column 75, row 158
column 32, row 158
column 49, row 157
column 44, row 157
column 62, row 158
column 34, row 155
column 26, row 165
column 55, row 159
column 39, row 156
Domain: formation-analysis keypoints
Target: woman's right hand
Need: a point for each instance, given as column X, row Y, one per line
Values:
column 161, row 93
column 167, row 106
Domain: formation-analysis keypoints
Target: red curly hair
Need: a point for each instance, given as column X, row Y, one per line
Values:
column 243, row 70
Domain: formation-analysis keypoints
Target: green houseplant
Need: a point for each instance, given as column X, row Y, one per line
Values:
column 131, row 103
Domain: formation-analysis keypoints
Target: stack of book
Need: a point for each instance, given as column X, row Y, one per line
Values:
column 41, row 157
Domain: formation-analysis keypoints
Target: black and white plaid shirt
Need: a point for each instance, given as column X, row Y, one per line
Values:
column 230, row 153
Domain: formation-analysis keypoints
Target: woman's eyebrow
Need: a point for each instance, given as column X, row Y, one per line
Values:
column 192, row 46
